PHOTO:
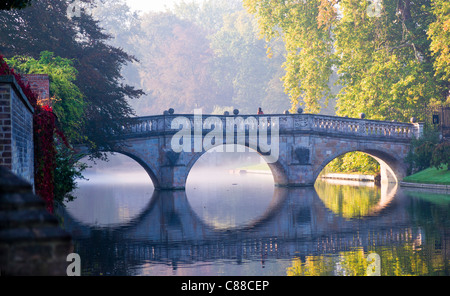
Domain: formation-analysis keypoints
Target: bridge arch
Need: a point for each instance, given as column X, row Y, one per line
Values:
column 145, row 165
column 392, row 169
column 278, row 172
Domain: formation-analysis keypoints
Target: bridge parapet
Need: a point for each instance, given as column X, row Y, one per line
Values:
column 286, row 124
column 367, row 128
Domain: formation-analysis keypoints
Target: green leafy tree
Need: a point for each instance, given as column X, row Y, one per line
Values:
column 384, row 61
column 68, row 104
column 439, row 33
column 68, row 101
column 305, row 27
column 391, row 65
column 385, row 64
column 68, row 169
column 354, row 162
column 441, row 156
column 421, row 151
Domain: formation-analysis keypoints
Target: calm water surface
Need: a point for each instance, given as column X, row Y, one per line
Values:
column 232, row 224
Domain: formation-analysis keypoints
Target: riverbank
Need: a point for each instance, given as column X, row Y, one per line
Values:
column 434, row 187
column 351, row 177
column 430, row 178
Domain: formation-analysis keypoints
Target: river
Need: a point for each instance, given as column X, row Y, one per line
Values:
column 241, row 224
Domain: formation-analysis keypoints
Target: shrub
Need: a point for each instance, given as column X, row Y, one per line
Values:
column 441, row 156
column 421, row 152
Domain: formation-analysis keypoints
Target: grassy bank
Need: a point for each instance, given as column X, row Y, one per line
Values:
column 430, row 176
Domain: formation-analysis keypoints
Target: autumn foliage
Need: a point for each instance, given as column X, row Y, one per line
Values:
column 45, row 130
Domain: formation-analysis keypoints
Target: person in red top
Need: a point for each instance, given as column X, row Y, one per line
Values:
column 260, row 112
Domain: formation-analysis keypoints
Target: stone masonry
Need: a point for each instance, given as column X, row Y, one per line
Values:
column 31, row 241
column 16, row 130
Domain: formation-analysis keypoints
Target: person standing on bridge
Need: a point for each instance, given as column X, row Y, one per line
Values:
column 260, row 112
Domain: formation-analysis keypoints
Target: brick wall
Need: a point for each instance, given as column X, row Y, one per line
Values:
column 40, row 84
column 22, row 144
column 5, row 127
column 16, row 130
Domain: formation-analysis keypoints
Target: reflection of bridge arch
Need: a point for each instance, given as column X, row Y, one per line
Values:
column 386, row 193
column 291, row 214
column 299, row 225
column 171, row 209
column 387, row 196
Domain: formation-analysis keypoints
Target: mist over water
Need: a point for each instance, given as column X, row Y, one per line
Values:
column 226, row 201
column 232, row 223
column 118, row 190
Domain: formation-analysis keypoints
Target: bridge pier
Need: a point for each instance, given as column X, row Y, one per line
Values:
column 387, row 174
column 172, row 178
column 296, row 176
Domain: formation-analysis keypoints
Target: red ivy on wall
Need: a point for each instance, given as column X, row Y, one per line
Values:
column 45, row 129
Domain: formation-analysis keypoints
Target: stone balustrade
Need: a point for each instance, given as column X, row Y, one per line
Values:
column 287, row 123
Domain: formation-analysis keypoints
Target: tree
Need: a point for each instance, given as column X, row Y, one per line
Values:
column 68, row 105
column 14, row 4
column 117, row 19
column 45, row 26
column 441, row 156
column 235, row 66
column 385, row 65
column 439, row 33
column 384, row 61
column 244, row 73
column 68, row 101
column 305, row 27
column 421, row 150
column 354, row 162
column 209, row 15
column 176, row 62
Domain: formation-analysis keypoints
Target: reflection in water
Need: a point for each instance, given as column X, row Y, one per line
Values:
column 110, row 196
column 402, row 260
column 103, row 205
column 302, row 231
column 351, row 199
column 232, row 204
column 348, row 201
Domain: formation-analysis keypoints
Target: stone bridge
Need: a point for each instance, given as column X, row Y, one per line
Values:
column 296, row 146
